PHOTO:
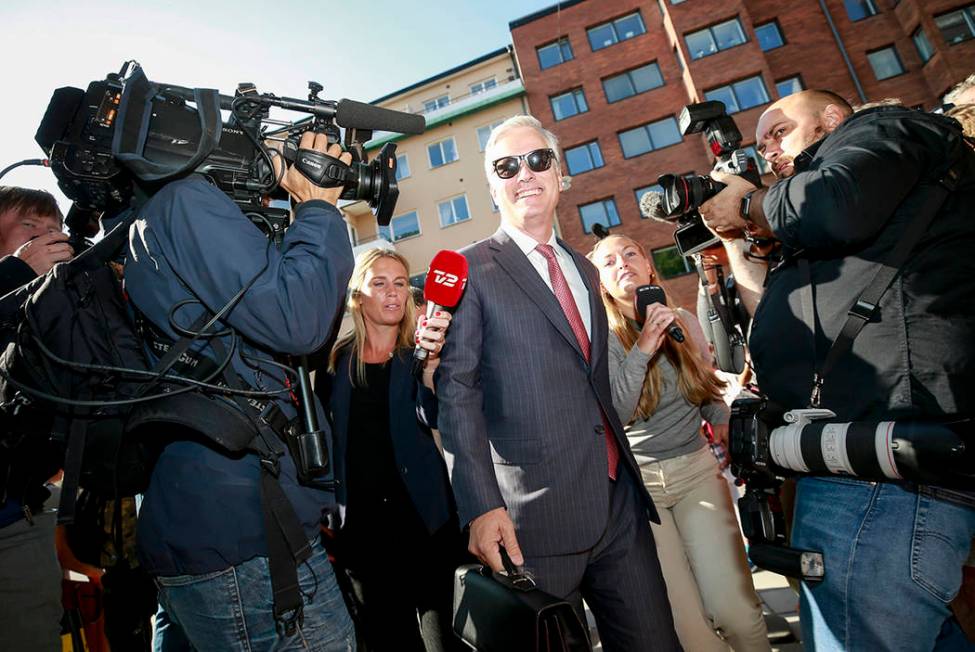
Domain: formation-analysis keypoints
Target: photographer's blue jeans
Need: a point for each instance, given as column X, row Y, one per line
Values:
column 232, row 610
column 893, row 563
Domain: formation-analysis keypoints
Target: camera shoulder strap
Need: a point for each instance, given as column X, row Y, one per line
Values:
column 865, row 307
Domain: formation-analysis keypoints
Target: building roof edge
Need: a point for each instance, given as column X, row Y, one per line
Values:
column 445, row 73
column 541, row 13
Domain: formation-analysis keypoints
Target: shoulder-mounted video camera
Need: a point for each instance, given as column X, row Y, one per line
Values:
column 126, row 135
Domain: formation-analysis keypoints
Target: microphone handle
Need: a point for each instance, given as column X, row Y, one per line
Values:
column 419, row 353
column 676, row 333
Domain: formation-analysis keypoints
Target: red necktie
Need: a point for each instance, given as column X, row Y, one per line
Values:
column 562, row 292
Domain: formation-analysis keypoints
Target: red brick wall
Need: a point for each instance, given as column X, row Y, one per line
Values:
column 810, row 51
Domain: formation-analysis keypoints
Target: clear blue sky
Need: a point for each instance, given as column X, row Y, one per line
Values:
column 358, row 49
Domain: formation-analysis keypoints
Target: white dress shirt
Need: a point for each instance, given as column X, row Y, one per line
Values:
column 572, row 275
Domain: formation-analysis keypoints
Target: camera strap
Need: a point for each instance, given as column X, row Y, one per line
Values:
column 865, row 307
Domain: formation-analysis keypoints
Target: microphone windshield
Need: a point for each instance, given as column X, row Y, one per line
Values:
column 446, row 279
column 651, row 205
column 357, row 115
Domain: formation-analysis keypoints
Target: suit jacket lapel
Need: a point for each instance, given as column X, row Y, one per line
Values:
column 522, row 272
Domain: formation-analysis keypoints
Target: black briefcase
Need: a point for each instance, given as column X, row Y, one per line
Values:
column 505, row 612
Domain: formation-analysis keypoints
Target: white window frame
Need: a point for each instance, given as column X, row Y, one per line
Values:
column 492, row 80
column 392, row 227
column 490, row 127
column 446, row 162
column 439, row 102
column 406, row 160
column 450, row 201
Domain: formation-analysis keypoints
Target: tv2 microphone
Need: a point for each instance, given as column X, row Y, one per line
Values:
column 647, row 295
column 443, row 289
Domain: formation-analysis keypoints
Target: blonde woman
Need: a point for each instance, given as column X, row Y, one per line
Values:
column 663, row 389
column 397, row 534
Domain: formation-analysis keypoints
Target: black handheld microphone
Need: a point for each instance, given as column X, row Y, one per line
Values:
column 647, row 295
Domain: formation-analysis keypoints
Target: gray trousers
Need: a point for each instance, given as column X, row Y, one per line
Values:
column 619, row 578
column 30, row 586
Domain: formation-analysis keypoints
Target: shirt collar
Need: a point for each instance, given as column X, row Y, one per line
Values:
column 525, row 242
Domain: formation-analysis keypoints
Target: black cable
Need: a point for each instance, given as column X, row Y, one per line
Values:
column 27, row 161
column 266, row 188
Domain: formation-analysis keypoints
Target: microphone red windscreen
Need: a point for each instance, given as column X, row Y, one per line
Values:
column 446, row 278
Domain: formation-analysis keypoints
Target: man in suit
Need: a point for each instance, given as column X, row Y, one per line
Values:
column 537, row 456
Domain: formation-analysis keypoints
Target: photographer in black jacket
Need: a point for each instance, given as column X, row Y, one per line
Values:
column 850, row 184
column 31, row 243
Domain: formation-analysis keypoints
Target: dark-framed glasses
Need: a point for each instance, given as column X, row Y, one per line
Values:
column 538, row 160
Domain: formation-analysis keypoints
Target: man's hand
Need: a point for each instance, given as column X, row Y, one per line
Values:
column 44, row 251
column 722, row 213
column 298, row 185
column 488, row 531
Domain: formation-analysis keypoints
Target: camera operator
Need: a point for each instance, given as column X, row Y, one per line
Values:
column 31, row 242
column 849, row 185
column 201, row 532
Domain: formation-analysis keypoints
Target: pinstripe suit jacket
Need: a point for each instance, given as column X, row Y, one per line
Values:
column 520, row 408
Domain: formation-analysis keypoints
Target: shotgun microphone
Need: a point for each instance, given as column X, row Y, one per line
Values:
column 443, row 289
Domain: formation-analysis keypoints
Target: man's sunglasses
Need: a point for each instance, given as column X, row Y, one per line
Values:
column 538, row 160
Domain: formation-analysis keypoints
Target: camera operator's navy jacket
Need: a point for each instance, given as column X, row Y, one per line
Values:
column 846, row 206
column 202, row 511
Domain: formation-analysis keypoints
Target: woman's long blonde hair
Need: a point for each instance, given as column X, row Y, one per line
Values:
column 357, row 337
column 696, row 380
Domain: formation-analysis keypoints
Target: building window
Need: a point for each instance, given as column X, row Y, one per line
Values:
column 632, row 82
column 442, row 153
column 401, row 227
column 669, row 263
column 583, row 158
column 554, row 53
column 860, row 9
column 769, row 36
column 483, row 133
column 621, row 29
column 402, row 167
column 740, row 95
column 710, row 40
column 599, row 212
column 453, row 210
column 436, row 103
column 958, row 25
column 923, row 45
column 677, row 2
column 885, row 63
column 763, row 165
column 418, row 281
column 568, row 104
column 789, row 86
column 483, row 85
column 649, row 137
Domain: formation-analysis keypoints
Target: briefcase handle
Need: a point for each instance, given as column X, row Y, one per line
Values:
column 516, row 577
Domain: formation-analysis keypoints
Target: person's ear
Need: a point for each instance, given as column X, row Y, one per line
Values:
column 833, row 117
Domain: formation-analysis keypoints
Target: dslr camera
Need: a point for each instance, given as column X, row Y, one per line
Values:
column 126, row 136
column 768, row 444
column 682, row 196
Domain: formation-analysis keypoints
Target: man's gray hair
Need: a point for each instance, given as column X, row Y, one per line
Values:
column 518, row 122
column 959, row 89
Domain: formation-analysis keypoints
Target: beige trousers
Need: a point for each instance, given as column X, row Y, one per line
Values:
column 702, row 556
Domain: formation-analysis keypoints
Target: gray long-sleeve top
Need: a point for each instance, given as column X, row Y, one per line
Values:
column 674, row 429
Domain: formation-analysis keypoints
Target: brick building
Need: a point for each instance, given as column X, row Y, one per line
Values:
column 609, row 78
